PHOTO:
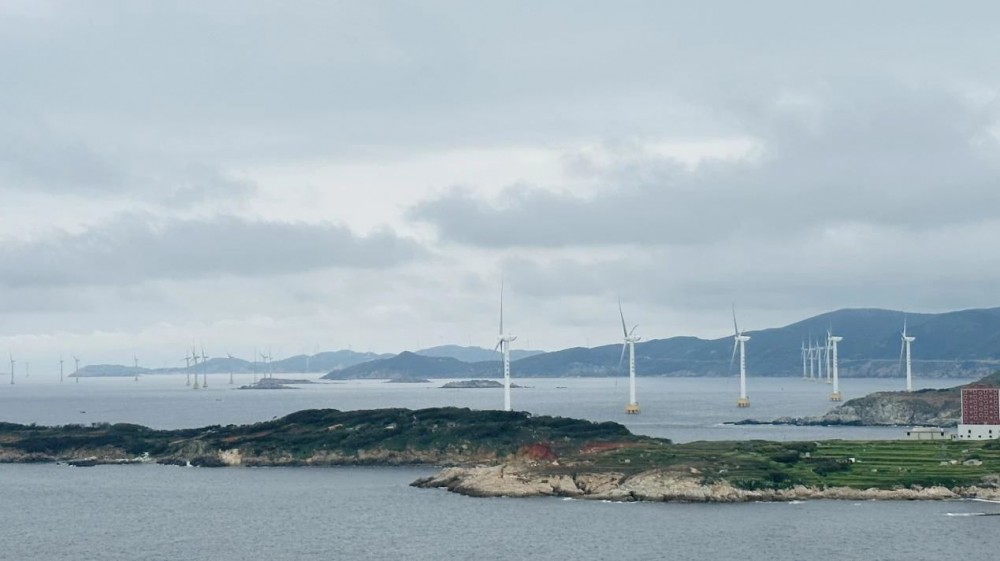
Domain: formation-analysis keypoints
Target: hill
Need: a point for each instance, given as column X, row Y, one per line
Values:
column 406, row 365
column 473, row 354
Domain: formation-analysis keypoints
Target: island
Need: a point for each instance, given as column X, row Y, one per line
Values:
column 408, row 381
column 515, row 454
column 475, row 384
column 274, row 384
column 929, row 407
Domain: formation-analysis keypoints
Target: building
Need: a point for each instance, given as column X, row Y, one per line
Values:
column 927, row 433
column 980, row 413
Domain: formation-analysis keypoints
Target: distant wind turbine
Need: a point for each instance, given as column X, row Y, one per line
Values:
column 195, row 358
column 12, row 369
column 630, row 340
column 739, row 343
column 230, row 368
column 61, row 369
column 76, row 373
column 204, row 369
column 503, row 345
column 135, row 362
column 802, row 351
column 187, row 369
column 905, row 348
column 835, row 396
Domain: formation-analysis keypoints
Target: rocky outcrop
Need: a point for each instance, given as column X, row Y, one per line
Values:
column 658, row 485
column 940, row 408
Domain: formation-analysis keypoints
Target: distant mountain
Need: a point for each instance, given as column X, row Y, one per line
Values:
column 321, row 362
column 962, row 343
column 107, row 370
column 406, row 365
column 474, row 354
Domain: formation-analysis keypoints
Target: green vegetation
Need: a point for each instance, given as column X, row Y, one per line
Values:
column 759, row 464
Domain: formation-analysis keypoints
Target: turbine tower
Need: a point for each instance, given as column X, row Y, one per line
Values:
column 230, row 368
column 630, row 340
column 906, row 348
column 739, row 343
column 811, row 351
column 135, row 362
column 61, row 370
column 835, row 396
column 503, row 345
column 76, row 373
column 819, row 361
column 12, row 369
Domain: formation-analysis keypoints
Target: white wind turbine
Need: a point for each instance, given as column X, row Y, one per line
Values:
column 135, row 362
column 61, row 369
column 739, row 343
column 905, row 347
column 230, row 368
column 802, row 351
column 195, row 358
column 204, row 369
column 835, row 396
column 503, row 345
column 187, row 369
column 12, row 369
column 630, row 340
column 811, row 353
column 76, row 373
column 829, row 356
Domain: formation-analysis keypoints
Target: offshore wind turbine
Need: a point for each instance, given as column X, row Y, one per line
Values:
column 630, row 340
column 906, row 340
column 194, row 358
column 12, row 369
column 204, row 368
column 835, row 396
column 503, row 345
column 802, row 351
column 230, row 368
column 61, row 370
column 819, row 361
column 811, row 352
column 76, row 373
column 135, row 363
column 739, row 343
column 829, row 357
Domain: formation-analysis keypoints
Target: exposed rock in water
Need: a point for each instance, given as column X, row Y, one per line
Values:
column 476, row 384
column 408, row 381
column 274, row 384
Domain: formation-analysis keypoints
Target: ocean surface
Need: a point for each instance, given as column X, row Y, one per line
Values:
column 57, row 512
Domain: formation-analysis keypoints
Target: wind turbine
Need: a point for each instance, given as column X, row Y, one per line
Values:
column 802, row 351
column 12, row 369
column 811, row 352
column 135, row 361
column 503, row 345
column 61, row 370
column 76, row 373
column 630, row 340
column 906, row 348
column 819, row 361
column 204, row 368
column 739, row 343
column 253, row 369
column 230, row 368
column 195, row 357
column 835, row 396
column 187, row 369
column 829, row 357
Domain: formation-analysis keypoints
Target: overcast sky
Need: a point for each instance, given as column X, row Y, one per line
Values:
column 325, row 175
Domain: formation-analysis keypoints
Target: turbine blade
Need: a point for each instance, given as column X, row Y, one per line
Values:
column 501, row 306
column 736, row 328
column 902, row 347
column 497, row 348
column 633, row 330
column 622, row 358
column 622, row 314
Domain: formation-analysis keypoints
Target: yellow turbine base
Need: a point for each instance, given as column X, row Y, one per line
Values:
column 835, row 396
column 743, row 402
column 632, row 408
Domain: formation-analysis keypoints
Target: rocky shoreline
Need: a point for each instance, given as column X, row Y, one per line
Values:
column 662, row 486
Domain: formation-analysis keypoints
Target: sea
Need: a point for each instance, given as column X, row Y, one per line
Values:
column 58, row 512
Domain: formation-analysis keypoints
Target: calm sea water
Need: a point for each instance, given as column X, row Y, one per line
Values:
column 51, row 512
column 159, row 512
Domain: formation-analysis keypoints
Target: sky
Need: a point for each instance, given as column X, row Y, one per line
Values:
column 328, row 175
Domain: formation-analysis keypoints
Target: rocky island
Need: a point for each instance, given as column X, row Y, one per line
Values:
column 475, row 384
column 515, row 454
column 274, row 384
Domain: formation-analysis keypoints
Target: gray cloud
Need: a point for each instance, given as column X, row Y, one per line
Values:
column 880, row 154
column 137, row 248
